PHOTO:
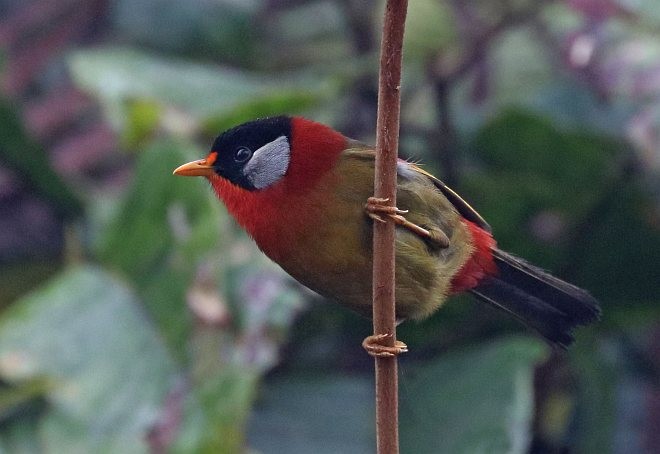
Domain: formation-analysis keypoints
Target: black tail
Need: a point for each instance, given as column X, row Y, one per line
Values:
column 547, row 304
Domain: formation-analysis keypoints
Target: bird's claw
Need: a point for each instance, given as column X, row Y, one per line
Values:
column 439, row 238
column 373, row 345
column 377, row 208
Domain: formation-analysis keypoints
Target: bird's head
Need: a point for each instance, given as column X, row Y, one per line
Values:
column 262, row 153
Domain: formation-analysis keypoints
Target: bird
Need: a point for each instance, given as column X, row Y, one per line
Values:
column 303, row 193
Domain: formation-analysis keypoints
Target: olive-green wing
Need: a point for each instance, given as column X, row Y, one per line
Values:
column 360, row 151
column 464, row 208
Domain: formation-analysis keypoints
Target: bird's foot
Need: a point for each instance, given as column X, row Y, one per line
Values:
column 372, row 344
column 439, row 238
column 377, row 208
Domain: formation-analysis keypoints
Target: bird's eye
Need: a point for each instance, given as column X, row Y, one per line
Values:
column 242, row 154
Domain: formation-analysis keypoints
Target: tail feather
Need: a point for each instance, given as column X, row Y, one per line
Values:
column 549, row 305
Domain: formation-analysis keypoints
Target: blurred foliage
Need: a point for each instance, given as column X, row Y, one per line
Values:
column 434, row 396
column 498, row 393
column 23, row 156
column 165, row 329
column 104, row 364
column 161, row 232
column 196, row 93
column 568, row 174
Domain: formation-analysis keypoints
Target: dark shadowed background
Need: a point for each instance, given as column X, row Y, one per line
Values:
column 136, row 317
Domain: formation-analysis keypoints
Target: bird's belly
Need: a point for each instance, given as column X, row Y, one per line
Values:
column 335, row 260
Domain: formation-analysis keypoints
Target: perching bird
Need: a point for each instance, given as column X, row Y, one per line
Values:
column 299, row 189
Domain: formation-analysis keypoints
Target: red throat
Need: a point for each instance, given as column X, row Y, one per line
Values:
column 315, row 149
column 273, row 214
column 480, row 264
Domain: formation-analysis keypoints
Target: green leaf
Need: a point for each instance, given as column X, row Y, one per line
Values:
column 475, row 400
column 18, row 437
column 17, row 278
column 285, row 102
column 165, row 227
column 597, row 385
column 25, row 157
column 524, row 142
column 142, row 119
column 12, row 398
column 520, row 65
column 107, row 369
column 159, row 211
column 430, row 28
column 327, row 414
column 479, row 400
column 532, row 166
column 218, row 30
column 625, row 229
column 116, row 75
column 216, row 412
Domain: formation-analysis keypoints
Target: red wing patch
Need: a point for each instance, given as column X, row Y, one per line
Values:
column 480, row 264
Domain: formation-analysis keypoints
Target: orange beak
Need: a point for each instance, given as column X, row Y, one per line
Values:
column 199, row 168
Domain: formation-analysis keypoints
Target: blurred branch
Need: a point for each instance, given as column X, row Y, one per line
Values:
column 587, row 72
column 446, row 134
column 358, row 17
column 363, row 101
column 479, row 38
column 480, row 42
column 30, row 162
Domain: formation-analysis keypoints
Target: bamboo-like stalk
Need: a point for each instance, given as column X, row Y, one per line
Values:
column 387, row 144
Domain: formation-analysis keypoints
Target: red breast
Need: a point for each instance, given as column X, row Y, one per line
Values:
column 315, row 149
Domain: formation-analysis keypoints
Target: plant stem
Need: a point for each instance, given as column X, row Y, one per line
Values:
column 387, row 142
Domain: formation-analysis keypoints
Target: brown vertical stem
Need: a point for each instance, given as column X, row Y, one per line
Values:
column 387, row 143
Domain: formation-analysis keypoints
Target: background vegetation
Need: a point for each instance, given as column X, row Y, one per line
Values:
column 136, row 317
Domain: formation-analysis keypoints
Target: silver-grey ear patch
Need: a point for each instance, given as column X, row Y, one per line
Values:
column 269, row 163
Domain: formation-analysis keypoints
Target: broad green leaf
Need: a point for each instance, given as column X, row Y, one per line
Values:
column 12, row 398
column 430, row 28
column 107, row 369
column 532, row 166
column 306, row 34
column 598, row 383
column 165, row 228
column 284, row 102
column 524, row 142
column 228, row 364
column 142, row 119
column 22, row 155
column 474, row 400
column 161, row 211
column 116, row 75
column 520, row 65
column 18, row 278
column 18, row 436
column 220, row 29
column 626, row 230
column 324, row 415
column 478, row 400
column 216, row 413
